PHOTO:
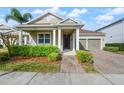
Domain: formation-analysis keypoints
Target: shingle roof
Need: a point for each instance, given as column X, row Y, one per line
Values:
column 84, row 32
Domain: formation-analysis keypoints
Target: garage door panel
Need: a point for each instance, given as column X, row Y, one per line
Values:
column 94, row 44
column 82, row 44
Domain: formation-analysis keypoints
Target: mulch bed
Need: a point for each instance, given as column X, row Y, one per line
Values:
column 32, row 59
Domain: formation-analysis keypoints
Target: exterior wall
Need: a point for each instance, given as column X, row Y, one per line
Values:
column 48, row 19
column 33, row 36
column 82, row 44
column 114, row 33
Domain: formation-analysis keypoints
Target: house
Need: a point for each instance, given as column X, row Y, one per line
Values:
column 6, row 29
column 50, row 29
column 114, row 32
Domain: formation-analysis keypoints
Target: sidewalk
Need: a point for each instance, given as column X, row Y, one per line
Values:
column 33, row 78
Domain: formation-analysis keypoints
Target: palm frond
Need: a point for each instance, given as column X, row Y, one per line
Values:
column 15, row 12
column 27, row 17
column 9, row 17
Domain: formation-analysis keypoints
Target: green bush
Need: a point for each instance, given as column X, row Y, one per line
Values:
column 84, row 56
column 3, row 58
column 54, row 57
column 1, row 46
column 120, row 45
column 3, row 52
column 111, row 49
column 27, row 50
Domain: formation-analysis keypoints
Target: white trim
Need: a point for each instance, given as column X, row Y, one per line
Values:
column 59, row 39
column 43, row 33
column 77, row 39
column 91, row 37
column 69, row 19
column 54, row 37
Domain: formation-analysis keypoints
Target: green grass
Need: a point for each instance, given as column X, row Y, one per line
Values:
column 30, row 67
column 89, row 68
column 120, row 52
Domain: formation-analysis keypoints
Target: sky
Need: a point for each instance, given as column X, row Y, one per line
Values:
column 93, row 18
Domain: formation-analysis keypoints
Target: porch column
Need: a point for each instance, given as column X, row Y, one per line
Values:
column 54, row 37
column 77, row 39
column 59, row 39
column 86, row 43
column 20, row 37
column 73, row 41
column 101, row 43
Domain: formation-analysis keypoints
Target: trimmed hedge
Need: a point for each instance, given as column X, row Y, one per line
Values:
column 84, row 56
column 54, row 57
column 111, row 49
column 28, row 50
column 120, row 45
column 3, row 58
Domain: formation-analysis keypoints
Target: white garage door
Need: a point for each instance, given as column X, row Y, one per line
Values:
column 94, row 44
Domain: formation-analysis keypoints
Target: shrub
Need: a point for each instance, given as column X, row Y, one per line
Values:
column 54, row 57
column 111, row 49
column 120, row 45
column 3, row 58
column 1, row 46
column 27, row 50
column 84, row 56
column 3, row 52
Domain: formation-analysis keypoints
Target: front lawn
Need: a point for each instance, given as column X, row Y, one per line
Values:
column 120, row 52
column 29, row 67
column 37, row 61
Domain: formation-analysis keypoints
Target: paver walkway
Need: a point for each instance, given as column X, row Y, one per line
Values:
column 109, row 63
column 70, row 64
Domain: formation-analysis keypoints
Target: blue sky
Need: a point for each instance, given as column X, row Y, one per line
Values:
column 92, row 17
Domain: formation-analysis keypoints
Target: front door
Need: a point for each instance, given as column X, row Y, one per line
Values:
column 66, row 41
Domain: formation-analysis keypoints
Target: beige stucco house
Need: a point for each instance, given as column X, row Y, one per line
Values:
column 50, row 29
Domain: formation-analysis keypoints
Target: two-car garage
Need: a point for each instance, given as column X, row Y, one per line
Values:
column 90, row 44
column 91, row 40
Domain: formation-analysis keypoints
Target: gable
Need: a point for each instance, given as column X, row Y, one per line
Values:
column 47, row 19
column 68, row 21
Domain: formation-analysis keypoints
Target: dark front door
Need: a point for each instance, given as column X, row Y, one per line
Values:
column 66, row 41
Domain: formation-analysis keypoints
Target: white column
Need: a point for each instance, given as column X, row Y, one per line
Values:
column 87, row 44
column 54, row 37
column 101, row 43
column 20, row 37
column 77, row 39
column 73, row 41
column 59, row 39
column 25, row 40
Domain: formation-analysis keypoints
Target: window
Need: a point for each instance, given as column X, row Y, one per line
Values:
column 44, row 38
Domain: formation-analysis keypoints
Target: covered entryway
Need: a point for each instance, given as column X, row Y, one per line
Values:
column 66, row 41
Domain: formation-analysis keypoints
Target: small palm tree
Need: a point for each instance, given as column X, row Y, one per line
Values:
column 17, row 16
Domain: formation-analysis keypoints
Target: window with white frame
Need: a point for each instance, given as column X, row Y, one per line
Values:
column 44, row 38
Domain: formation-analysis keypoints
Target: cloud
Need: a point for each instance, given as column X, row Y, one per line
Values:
column 116, row 11
column 104, row 18
column 108, row 17
column 55, row 10
column 76, row 12
column 24, row 11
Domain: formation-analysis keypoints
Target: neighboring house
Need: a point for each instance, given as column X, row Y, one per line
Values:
column 5, row 29
column 50, row 29
column 114, row 32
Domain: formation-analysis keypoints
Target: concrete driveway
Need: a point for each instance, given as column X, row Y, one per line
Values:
column 34, row 78
column 108, row 63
